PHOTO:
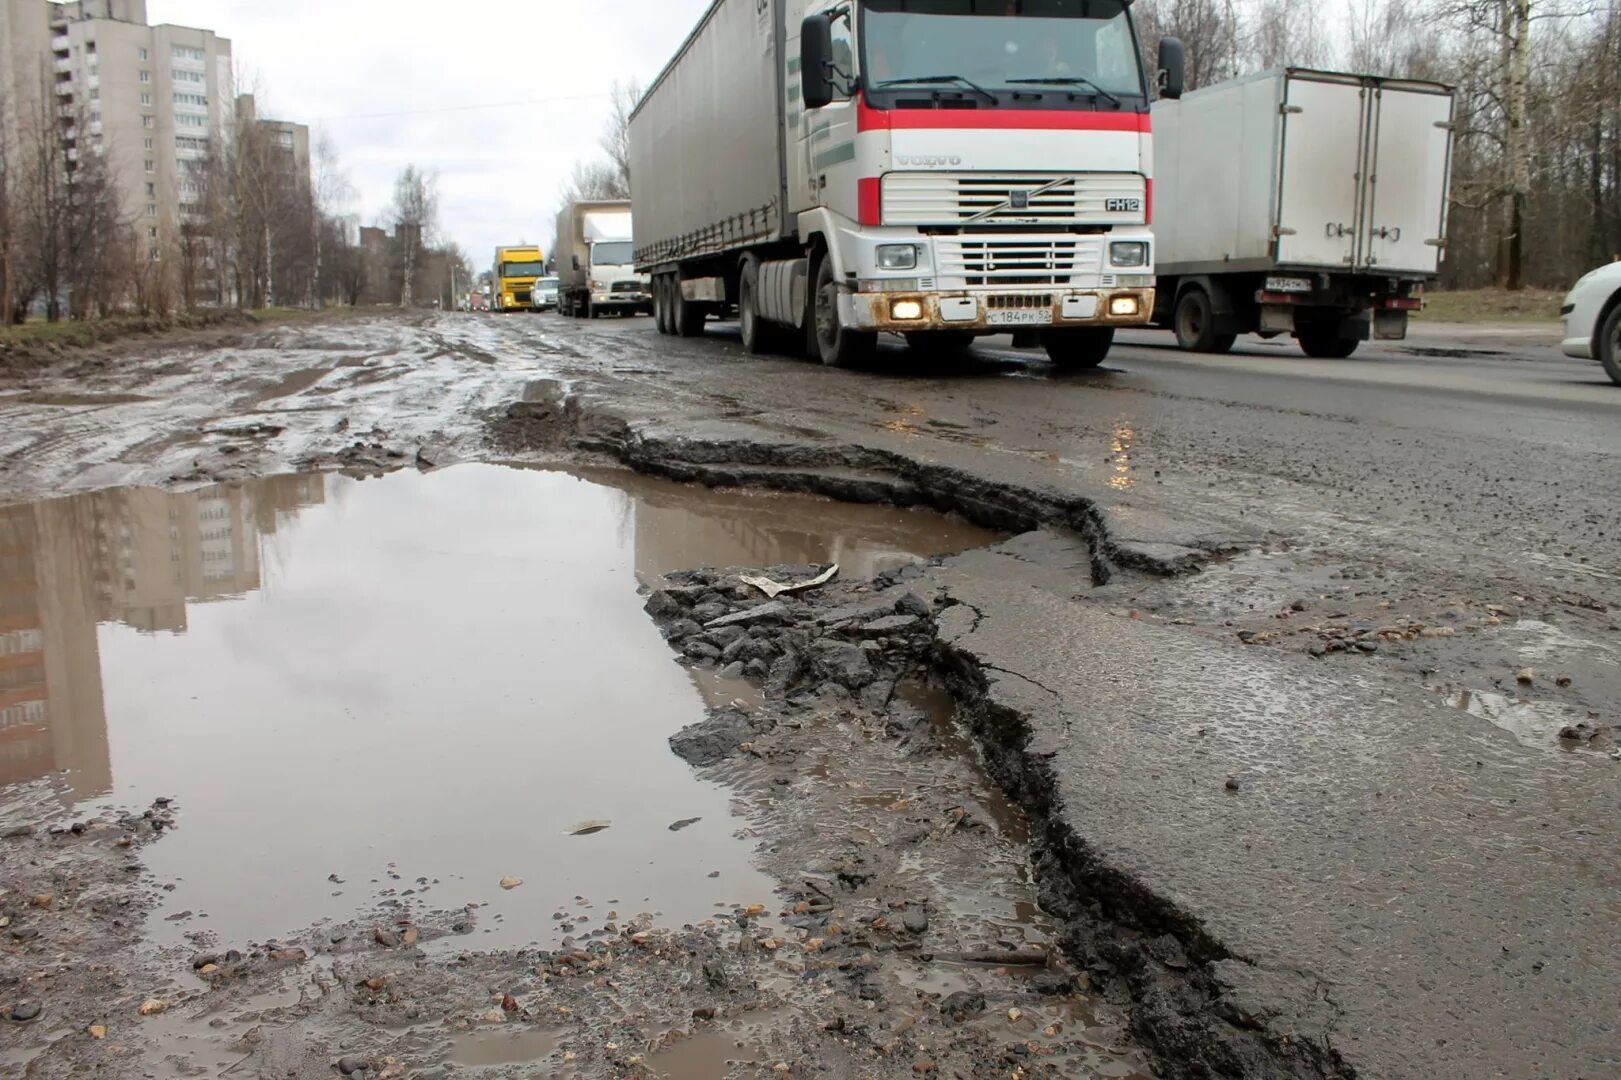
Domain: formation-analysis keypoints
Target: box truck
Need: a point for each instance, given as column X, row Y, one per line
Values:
column 1300, row 202
column 834, row 169
column 513, row 276
column 594, row 264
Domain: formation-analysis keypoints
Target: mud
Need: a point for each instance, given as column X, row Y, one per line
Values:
column 256, row 652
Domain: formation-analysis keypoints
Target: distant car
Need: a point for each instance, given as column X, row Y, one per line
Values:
column 544, row 296
column 1593, row 319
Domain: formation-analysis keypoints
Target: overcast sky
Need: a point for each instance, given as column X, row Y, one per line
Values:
column 335, row 64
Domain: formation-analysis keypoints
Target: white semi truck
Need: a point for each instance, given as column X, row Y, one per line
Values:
column 1300, row 202
column 594, row 263
column 833, row 169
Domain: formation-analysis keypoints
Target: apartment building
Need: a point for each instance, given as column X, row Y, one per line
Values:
column 152, row 99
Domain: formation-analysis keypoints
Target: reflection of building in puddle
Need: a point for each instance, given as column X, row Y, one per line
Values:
column 134, row 556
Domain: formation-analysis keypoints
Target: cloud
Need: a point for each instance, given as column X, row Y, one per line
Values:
column 393, row 82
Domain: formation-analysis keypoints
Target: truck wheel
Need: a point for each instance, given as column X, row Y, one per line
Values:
column 837, row 345
column 940, row 343
column 1609, row 345
column 1196, row 325
column 661, row 307
column 1326, row 345
column 760, row 335
column 1080, row 349
column 686, row 316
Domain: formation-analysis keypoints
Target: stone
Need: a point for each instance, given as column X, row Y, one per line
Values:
column 962, row 1005
column 698, row 649
column 890, row 625
column 915, row 919
column 774, row 611
column 1232, row 783
column 757, row 669
column 1299, row 605
column 719, row 737
column 97, row 1031
column 913, row 604
column 25, row 1011
column 664, row 607
column 509, row 883
column 388, row 939
column 353, row 1063
column 710, row 614
column 204, row 959
column 682, row 629
column 735, row 670
column 289, row 956
column 842, row 663
column 153, row 1007
column 684, row 823
column 24, row 933
column 1052, row 984
column 1526, row 676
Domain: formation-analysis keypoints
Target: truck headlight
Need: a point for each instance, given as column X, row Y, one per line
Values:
column 897, row 256
column 1123, row 305
column 906, row 310
column 1128, row 253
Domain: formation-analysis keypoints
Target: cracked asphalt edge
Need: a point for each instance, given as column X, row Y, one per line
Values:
column 1187, row 992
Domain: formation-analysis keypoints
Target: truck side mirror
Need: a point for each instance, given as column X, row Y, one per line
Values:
column 1173, row 66
column 576, row 261
column 816, row 60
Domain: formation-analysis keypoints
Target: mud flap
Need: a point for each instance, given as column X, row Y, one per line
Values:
column 1390, row 326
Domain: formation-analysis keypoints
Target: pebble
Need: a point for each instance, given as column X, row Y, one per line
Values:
column 24, row 933
column 963, row 1004
column 1526, row 676
column 511, row 882
column 1232, row 783
column 97, row 1031
column 352, row 1064
column 388, row 939
column 25, row 1011
column 915, row 919
column 684, row 823
column 153, row 1006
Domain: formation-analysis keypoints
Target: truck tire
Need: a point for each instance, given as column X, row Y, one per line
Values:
column 760, row 335
column 661, row 306
column 942, row 344
column 1079, row 349
column 686, row 316
column 837, row 345
column 1195, row 324
column 1325, row 344
column 1609, row 345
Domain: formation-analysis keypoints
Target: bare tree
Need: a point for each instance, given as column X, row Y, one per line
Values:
column 616, row 138
column 416, row 222
column 1209, row 28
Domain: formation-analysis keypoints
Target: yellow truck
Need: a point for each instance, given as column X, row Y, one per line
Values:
column 513, row 279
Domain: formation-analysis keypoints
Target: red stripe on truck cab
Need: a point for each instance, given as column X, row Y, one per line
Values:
column 870, row 200
column 871, row 119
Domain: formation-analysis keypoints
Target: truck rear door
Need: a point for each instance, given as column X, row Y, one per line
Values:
column 1407, row 196
column 1320, row 184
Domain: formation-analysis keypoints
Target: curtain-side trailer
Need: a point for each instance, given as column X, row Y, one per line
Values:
column 833, row 169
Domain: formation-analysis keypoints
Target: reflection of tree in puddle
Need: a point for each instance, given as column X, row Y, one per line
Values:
column 136, row 556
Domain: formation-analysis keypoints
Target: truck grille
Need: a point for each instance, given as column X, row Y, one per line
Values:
column 1018, row 301
column 627, row 286
column 955, row 198
column 1016, row 262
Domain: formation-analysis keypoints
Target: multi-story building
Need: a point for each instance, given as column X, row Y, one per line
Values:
column 151, row 99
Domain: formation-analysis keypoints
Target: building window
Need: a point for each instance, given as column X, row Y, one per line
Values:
column 151, row 191
column 286, row 139
column 182, row 52
column 141, row 52
column 152, row 232
column 146, row 98
column 188, row 120
column 148, row 122
column 146, row 76
column 95, row 93
column 151, row 166
column 151, row 209
column 149, row 142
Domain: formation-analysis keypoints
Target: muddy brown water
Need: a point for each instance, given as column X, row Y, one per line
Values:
column 408, row 686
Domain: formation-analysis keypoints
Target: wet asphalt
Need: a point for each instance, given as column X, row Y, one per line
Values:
column 1286, row 750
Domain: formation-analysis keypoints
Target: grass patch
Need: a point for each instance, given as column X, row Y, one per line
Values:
column 1493, row 306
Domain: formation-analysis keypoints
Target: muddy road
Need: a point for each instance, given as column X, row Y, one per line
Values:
column 1243, row 716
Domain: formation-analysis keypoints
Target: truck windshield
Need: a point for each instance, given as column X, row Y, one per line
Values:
column 1082, row 46
column 522, row 269
column 612, row 253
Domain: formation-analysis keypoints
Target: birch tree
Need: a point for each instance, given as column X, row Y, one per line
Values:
column 416, row 223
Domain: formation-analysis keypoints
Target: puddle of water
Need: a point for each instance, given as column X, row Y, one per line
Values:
column 704, row 1056
column 415, row 685
column 1534, row 723
column 481, row 1049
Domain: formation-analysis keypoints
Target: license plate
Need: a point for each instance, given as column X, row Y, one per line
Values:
column 1020, row 317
